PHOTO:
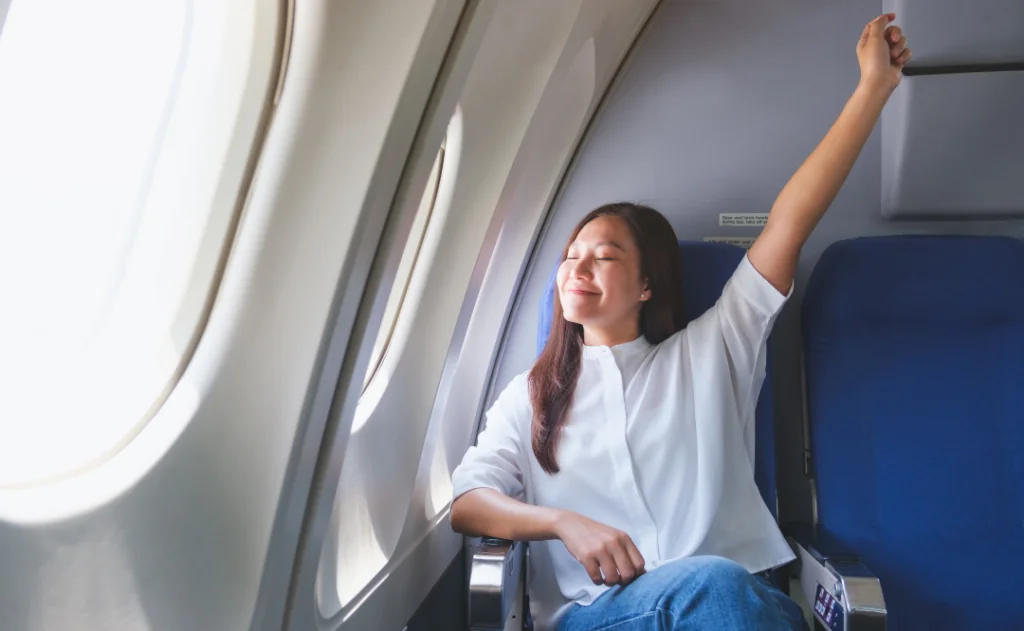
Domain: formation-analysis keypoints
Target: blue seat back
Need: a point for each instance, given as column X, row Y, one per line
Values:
column 706, row 269
column 914, row 358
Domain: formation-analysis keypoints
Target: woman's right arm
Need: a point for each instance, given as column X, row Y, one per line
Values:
column 487, row 512
column 609, row 555
column 489, row 481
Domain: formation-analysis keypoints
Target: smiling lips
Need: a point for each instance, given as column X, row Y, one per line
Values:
column 581, row 292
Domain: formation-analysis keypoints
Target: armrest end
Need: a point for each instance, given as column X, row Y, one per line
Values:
column 843, row 593
column 497, row 581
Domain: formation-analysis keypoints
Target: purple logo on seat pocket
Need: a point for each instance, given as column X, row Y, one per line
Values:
column 828, row 610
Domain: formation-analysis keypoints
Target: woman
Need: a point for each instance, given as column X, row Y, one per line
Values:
column 623, row 452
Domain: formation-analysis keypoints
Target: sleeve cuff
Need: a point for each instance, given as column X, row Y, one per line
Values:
column 461, row 487
column 757, row 290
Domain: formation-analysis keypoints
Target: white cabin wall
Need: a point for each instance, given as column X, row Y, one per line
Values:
column 523, row 91
column 215, row 515
column 196, row 518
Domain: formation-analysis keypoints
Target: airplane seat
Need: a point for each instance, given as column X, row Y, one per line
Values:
column 914, row 365
column 707, row 266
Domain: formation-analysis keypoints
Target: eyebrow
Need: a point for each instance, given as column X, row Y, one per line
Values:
column 601, row 243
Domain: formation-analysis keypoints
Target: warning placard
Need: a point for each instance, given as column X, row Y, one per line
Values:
column 743, row 242
column 754, row 220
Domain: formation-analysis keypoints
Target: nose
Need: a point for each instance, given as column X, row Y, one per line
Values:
column 580, row 267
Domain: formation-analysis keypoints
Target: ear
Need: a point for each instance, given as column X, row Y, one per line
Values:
column 645, row 295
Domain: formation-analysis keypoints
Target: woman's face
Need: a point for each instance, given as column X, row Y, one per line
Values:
column 599, row 283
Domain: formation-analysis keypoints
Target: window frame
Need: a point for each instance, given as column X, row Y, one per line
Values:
column 402, row 283
column 261, row 52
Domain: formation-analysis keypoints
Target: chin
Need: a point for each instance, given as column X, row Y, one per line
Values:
column 576, row 317
column 571, row 317
column 579, row 311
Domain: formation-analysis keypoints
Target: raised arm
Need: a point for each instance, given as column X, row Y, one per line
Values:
column 882, row 52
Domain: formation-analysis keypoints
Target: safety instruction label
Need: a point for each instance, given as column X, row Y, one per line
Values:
column 743, row 219
column 743, row 242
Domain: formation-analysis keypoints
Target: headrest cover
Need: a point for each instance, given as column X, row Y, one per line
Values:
column 918, row 280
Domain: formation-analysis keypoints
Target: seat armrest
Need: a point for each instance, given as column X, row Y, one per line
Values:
column 497, row 585
column 843, row 593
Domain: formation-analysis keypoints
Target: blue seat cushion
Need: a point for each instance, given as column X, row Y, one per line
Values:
column 914, row 359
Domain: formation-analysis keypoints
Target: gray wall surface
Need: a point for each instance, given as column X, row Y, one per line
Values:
column 720, row 103
column 955, row 32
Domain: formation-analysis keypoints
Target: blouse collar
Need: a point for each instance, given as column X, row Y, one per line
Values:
column 638, row 345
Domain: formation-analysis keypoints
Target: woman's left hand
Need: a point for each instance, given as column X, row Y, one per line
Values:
column 882, row 52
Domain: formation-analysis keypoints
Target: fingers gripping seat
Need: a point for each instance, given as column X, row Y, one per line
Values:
column 706, row 269
column 914, row 358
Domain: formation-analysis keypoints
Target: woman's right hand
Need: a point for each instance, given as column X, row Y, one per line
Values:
column 609, row 555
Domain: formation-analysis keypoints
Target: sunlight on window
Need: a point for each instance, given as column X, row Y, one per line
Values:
column 352, row 554
column 440, row 480
column 362, row 537
column 367, row 517
column 125, row 128
column 405, row 267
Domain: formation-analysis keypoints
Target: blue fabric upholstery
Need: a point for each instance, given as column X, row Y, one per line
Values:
column 914, row 350
column 706, row 269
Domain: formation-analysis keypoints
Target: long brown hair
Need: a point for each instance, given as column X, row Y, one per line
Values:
column 555, row 374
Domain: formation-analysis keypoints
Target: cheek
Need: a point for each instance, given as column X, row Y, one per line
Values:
column 616, row 284
column 624, row 296
column 561, row 276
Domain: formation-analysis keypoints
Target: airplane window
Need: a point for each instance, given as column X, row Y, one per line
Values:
column 361, row 540
column 126, row 129
column 405, row 267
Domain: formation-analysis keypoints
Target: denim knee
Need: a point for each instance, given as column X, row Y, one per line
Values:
column 691, row 594
column 707, row 575
column 720, row 570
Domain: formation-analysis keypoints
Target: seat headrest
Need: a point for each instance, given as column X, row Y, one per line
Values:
column 881, row 281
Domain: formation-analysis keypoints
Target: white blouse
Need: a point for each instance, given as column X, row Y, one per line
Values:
column 659, row 444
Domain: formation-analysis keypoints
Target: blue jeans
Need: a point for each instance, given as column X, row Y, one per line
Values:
column 693, row 593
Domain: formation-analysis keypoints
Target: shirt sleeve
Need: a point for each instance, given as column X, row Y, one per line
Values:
column 746, row 313
column 497, row 461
